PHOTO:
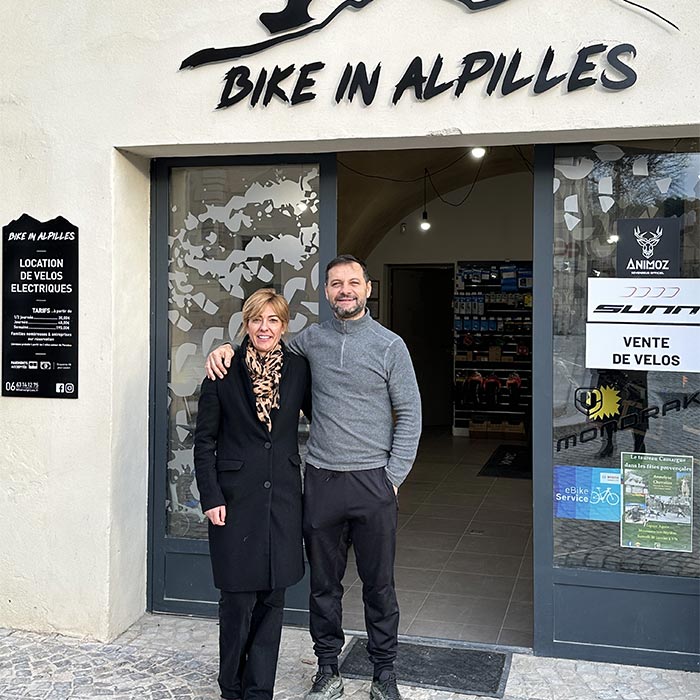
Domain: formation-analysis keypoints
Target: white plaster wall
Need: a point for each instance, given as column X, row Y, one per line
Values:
column 130, row 386
column 81, row 79
column 495, row 223
column 94, row 73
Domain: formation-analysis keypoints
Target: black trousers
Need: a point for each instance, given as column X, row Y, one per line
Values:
column 250, row 628
column 358, row 507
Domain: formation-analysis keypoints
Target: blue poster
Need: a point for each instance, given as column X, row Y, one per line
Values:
column 587, row 493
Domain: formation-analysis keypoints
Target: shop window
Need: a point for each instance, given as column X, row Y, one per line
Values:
column 232, row 230
column 616, row 207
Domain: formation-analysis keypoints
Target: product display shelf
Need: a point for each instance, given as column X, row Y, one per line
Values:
column 492, row 349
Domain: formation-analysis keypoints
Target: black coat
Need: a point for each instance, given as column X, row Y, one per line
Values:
column 255, row 474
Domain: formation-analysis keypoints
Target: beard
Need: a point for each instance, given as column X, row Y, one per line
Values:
column 348, row 311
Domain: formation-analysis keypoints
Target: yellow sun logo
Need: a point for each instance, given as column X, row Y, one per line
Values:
column 601, row 402
column 609, row 404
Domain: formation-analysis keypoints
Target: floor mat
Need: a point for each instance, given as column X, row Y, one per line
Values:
column 509, row 462
column 458, row 670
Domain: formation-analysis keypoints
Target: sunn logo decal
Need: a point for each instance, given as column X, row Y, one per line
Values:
column 652, row 292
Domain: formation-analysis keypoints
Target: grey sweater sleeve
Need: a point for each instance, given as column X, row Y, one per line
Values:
column 297, row 344
column 405, row 402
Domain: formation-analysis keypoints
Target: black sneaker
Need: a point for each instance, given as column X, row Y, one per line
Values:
column 326, row 685
column 385, row 688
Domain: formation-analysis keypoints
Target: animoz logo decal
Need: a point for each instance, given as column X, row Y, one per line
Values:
column 294, row 22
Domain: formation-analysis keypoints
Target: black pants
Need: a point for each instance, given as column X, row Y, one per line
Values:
column 358, row 507
column 250, row 627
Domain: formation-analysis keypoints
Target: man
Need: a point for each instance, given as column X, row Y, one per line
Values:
column 365, row 429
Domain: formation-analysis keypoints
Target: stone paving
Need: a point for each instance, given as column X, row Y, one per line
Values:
column 175, row 658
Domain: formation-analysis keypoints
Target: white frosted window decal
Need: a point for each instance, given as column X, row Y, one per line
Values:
column 232, row 230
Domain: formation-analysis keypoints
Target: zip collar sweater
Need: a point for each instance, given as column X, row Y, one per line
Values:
column 366, row 411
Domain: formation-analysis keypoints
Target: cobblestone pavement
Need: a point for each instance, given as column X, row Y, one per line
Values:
column 163, row 658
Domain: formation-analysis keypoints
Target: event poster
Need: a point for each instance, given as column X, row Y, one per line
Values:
column 657, row 501
column 586, row 493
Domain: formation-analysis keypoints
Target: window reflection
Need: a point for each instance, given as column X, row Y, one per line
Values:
column 596, row 186
column 232, row 230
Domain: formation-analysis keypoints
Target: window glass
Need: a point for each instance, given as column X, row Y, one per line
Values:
column 232, row 230
column 628, row 211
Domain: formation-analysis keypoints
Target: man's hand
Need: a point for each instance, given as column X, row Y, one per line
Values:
column 218, row 362
column 217, row 516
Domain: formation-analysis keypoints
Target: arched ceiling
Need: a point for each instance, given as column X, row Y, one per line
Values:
column 369, row 207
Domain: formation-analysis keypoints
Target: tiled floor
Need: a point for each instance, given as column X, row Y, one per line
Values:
column 464, row 557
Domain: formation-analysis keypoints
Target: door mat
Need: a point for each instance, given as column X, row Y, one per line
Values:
column 458, row 670
column 509, row 462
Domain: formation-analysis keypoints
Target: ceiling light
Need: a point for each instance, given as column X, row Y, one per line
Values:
column 478, row 152
column 425, row 224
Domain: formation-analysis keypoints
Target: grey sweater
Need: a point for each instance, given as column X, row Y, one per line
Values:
column 360, row 371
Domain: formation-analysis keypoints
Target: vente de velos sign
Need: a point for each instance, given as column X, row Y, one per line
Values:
column 651, row 325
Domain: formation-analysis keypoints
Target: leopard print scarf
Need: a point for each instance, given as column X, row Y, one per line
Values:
column 265, row 372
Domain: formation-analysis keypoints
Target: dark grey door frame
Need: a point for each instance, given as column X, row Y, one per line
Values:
column 161, row 547
column 583, row 613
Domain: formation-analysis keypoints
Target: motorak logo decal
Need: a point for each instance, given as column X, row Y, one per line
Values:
column 648, row 240
column 295, row 22
column 597, row 403
column 631, row 420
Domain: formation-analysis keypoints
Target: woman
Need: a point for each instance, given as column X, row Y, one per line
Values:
column 246, row 459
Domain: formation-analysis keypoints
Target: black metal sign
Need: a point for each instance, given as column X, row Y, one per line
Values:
column 40, row 308
column 649, row 247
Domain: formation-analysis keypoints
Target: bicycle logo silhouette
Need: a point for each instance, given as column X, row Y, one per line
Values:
column 607, row 496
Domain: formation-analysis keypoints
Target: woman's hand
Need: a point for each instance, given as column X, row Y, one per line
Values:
column 218, row 362
column 217, row 516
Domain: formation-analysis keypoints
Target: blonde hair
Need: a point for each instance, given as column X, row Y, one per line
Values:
column 258, row 300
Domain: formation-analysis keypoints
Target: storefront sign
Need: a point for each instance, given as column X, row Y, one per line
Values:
column 667, row 301
column 498, row 73
column 424, row 79
column 587, row 493
column 40, row 308
column 657, row 496
column 643, row 324
column 649, row 247
column 652, row 348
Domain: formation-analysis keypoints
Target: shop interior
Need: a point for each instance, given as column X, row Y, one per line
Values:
column 447, row 236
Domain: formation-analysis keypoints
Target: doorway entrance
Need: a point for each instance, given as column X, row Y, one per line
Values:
column 421, row 313
column 464, row 547
column 463, row 568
